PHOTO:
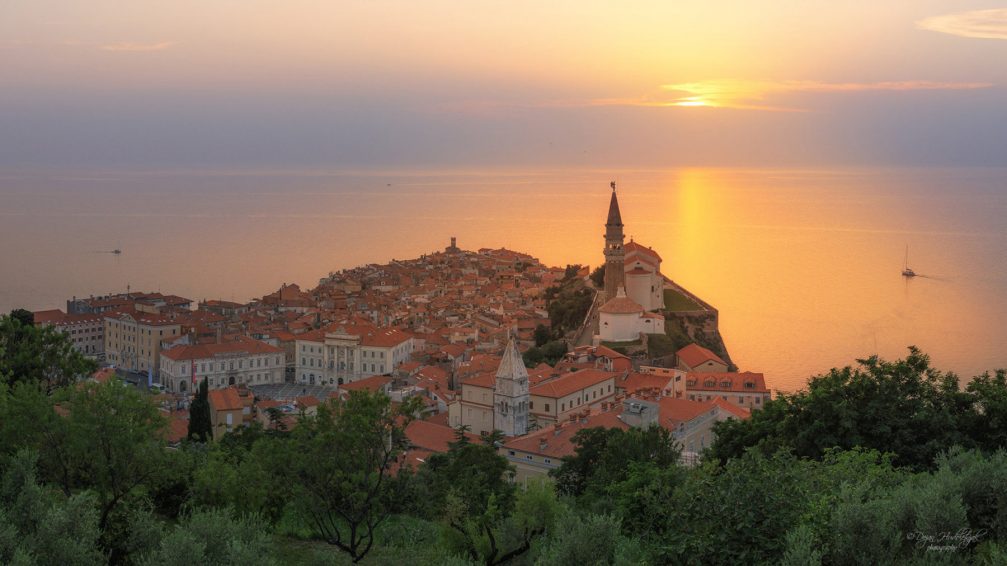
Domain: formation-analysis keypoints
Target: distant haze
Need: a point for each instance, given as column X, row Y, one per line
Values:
column 391, row 83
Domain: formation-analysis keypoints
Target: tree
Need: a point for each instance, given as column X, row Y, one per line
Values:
column 341, row 461
column 214, row 536
column 469, row 489
column 114, row 445
column 903, row 407
column 604, row 456
column 39, row 354
column 542, row 335
column 24, row 316
column 38, row 526
column 200, row 425
column 598, row 276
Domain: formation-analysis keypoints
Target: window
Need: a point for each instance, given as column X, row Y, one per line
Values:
column 531, row 404
column 547, row 407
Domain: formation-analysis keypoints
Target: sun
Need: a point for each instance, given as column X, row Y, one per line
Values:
column 691, row 101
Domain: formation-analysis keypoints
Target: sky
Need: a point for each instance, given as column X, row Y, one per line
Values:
column 566, row 83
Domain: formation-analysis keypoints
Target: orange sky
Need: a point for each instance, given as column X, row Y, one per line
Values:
column 384, row 82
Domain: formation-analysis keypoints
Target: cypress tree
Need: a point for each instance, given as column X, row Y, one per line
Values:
column 200, row 427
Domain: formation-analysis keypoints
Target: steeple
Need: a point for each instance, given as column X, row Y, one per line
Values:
column 614, row 218
column 510, row 394
column 615, row 275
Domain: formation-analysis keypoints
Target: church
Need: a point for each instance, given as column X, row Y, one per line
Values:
column 634, row 285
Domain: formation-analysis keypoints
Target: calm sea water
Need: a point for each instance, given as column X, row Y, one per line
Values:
column 804, row 265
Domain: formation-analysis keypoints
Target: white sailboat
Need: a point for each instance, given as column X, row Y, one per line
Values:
column 906, row 270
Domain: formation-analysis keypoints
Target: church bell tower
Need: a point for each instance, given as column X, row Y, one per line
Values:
column 615, row 255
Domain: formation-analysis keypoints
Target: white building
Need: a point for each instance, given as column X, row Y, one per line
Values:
column 345, row 353
column 644, row 282
column 623, row 320
column 243, row 362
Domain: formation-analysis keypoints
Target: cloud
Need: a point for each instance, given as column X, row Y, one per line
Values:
column 757, row 95
column 985, row 24
column 131, row 47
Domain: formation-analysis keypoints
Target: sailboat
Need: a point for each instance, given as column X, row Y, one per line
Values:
column 906, row 270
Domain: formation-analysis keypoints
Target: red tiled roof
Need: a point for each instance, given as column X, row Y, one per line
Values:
column 247, row 346
column 695, row 355
column 556, row 444
column 374, row 383
column 633, row 247
column 224, row 399
column 621, row 305
column 571, row 383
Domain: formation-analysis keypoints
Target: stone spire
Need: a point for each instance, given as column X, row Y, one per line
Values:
column 510, row 395
column 615, row 275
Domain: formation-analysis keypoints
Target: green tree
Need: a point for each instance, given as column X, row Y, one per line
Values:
column 905, row 407
column 39, row 354
column 604, row 456
column 583, row 540
column 214, row 536
column 340, row 463
column 200, row 425
column 114, row 446
column 38, row 526
column 598, row 276
column 24, row 316
column 542, row 335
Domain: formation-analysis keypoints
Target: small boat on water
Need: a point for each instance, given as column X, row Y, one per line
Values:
column 906, row 270
column 117, row 251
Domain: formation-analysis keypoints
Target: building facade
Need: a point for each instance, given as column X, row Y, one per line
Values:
column 133, row 339
column 243, row 362
column 86, row 331
column 346, row 353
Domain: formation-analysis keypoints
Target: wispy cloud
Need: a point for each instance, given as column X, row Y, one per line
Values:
column 128, row 46
column 758, row 95
column 985, row 24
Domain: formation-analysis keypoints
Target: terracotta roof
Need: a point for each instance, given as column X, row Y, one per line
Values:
column 247, row 346
column 695, row 355
column 633, row 247
column 432, row 436
column 558, row 443
column 374, row 383
column 638, row 381
column 571, row 383
column 621, row 304
column 224, row 399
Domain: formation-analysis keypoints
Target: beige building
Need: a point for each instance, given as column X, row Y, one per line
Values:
column 623, row 320
column 133, row 338
column 745, row 389
column 230, row 408
column 245, row 361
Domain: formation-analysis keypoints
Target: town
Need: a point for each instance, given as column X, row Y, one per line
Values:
column 489, row 341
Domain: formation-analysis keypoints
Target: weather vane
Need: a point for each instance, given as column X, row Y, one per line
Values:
column 612, row 184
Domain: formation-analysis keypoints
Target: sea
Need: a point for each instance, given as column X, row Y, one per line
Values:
column 803, row 265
